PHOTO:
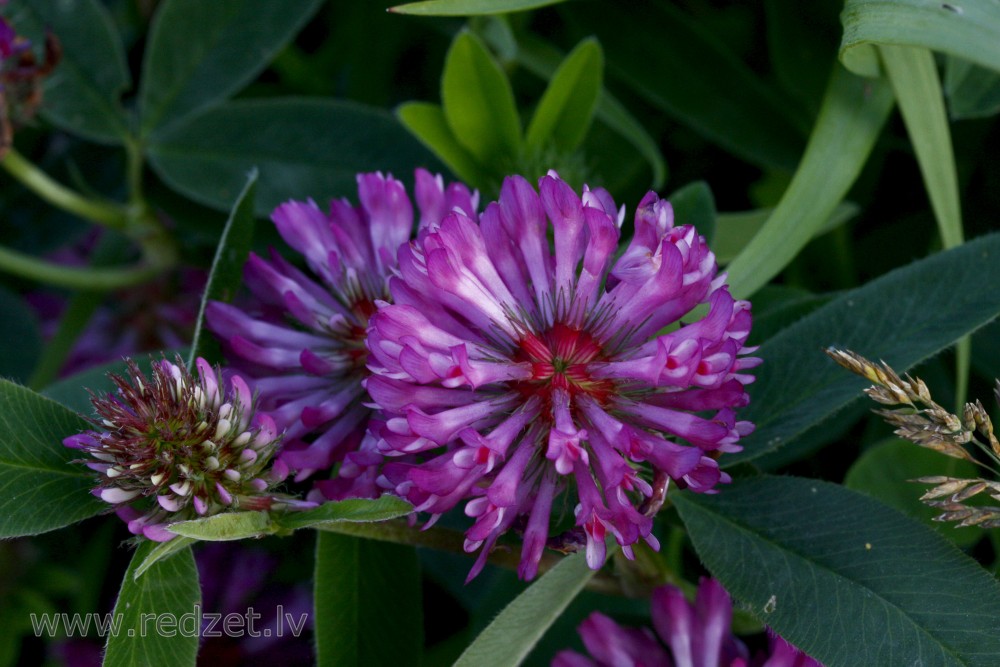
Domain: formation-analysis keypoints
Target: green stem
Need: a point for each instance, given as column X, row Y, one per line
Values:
column 33, row 268
column 55, row 193
column 399, row 531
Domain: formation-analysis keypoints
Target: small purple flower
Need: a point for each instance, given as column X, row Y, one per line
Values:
column 173, row 447
column 517, row 372
column 695, row 635
column 303, row 344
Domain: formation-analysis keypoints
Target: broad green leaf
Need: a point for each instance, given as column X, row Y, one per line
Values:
column 843, row 577
column 478, row 102
column 776, row 307
column 200, row 53
column 542, row 59
column 515, row 630
column 902, row 317
column 969, row 29
column 83, row 93
column 886, row 470
column 42, row 488
column 691, row 76
column 362, row 590
column 160, row 551
column 303, row 148
column 353, row 509
column 563, row 115
column 914, row 79
column 427, row 123
column 227, row 268
column 157, row 612
column 21, row 336
column 734, row 231
column 973, row 91
column 694, row 205
column 469, row 7
column 850, row 120
column 225, row 527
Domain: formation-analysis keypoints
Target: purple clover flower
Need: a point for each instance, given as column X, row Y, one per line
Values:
column 172, row 448
column 516, row 372
column 696, row 635
column 303, row 345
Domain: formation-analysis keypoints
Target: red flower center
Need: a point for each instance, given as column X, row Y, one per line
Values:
column 560, row 358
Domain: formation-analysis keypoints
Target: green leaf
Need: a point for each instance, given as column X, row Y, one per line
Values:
column 542, row 59
column 693, row 77
column 227, row 268
column 469, row 7
column 969, row 29
column 694, row 205
column 158, row 612
column 885, row 472
column 734, row 231
column 362, row 589
column 42, row 488
column 21, row 336
column 225, row 527
column 973, row 91
column 83, row 93
column 853, row 113
column 478, row 102
column 516, row 629
column 427, row 123
column 902, row 317
column 914, row 79
column 843, row 577
column 564, row 113
column 200, row 53
column 161, row 551
column 303, row 147
column 356, row 510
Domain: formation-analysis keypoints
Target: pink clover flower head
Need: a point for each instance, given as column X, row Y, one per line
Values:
column 303, row 342
column 690, row 634
column 174, row 447
column 515, row 369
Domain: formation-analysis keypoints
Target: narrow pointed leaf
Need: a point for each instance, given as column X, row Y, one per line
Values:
column 853, row 113
column 843, row 577
column 478, row 102
column 356, row 510
column 969, row 29
column 225, row 527
column 541, row 58
column 227, row 268
column 200, row 53
column 158, row 613
column 161, row 551
column 362, row 589
column 902, row 317
column 516, row 629
column 42, row 489
column 564, row 113
column 914, row 79
column 427, row 123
